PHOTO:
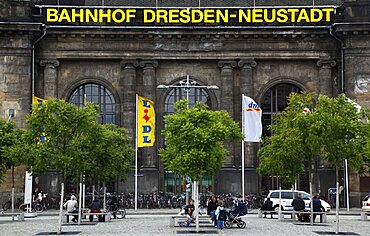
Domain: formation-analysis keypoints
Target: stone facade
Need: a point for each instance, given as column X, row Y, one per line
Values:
column 129, row 61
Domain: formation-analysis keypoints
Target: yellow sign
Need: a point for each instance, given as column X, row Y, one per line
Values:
column 190, row 16
column 145, row 122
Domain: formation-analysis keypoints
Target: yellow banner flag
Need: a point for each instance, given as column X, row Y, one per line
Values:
column 145, row 122
column 37, row 100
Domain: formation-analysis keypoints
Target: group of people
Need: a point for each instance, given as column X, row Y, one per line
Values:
column 72, row 207
column 298, row 205
column 215, row 209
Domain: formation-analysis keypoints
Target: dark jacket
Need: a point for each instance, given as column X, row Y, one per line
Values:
column 267, row 205
column 317, row 207
column 95, row 205
column 298, row 204
column 189, row 209
column 212, row 206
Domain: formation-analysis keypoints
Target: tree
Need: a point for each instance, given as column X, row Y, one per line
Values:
column 110, row 153
column 286, row 152
column 195, row 142
column 333, row 131
column 336, row 134
column 9, row 137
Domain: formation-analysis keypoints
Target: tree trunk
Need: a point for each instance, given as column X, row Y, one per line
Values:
column 196, row 203
column 337, row 200
column 61, row 209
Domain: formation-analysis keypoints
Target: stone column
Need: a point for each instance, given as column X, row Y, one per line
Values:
column 227, row 86
column 325, row 76
column 149, row 91
column 50, row 77
column 325, row 86
column 129, row 95
column 246, row 88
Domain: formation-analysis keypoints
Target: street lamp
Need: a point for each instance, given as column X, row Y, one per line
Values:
column 187, row 85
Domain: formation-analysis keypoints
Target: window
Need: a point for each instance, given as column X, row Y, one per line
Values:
column 275, row 100
column 97, row 94
column 194, row 95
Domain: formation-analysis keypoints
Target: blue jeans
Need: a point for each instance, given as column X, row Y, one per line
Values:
column 220, row 224
column 213, row 217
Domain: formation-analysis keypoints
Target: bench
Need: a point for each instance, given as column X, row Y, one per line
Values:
column 261, row 212
column 177, row 219
column 66, row 215
column 364, row 215
column 20, row 216
column 323, row 215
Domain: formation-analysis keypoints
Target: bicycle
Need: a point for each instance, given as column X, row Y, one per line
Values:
column 35, row 207
column 8, row 204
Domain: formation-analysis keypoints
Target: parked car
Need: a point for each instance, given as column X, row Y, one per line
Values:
column 287, row 198
column 366, row 203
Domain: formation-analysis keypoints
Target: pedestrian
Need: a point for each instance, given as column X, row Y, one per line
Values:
column 211, row 208
column 267, row 206
column 317, row 207
column 72, row 207
column 189, row 210
column 299, row 205
column 221, row 215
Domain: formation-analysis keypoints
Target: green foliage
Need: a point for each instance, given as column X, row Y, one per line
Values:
column 9, row 136
column 286, row 151
column 110, row 153
column 74, row 142
column 332, row 130
column 195, row 139
column 337, row 130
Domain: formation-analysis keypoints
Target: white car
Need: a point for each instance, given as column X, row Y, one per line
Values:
column 287, row 198
column 366, row 203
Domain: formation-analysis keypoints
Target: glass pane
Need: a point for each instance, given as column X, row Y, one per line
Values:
column 97, row 94
column 275, row 100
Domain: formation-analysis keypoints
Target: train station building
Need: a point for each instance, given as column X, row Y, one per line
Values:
column 111, row 62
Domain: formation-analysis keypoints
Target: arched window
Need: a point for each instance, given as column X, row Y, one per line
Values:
column 193, row 94
column 275, row 100
column 97, row 94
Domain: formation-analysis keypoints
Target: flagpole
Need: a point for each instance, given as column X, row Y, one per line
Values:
column 136, row 154
column 243, row 196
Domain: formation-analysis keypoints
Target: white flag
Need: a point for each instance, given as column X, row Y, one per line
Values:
column 252, row 120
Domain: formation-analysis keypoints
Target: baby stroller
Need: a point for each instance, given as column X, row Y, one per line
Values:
column 234, row 217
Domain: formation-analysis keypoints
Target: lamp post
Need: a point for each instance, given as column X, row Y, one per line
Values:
column 11, row 113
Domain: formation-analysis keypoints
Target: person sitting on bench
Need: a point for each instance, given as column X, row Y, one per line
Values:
column 267, row 206
column 95, row 207
column 299, row 205
column 72, row 207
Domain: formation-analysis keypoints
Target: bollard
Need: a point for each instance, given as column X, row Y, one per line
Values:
column 20, row 217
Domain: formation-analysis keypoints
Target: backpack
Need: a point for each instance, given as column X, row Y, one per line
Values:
column 306, row 218
column 222, row 215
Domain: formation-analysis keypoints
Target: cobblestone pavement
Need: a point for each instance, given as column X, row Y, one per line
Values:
column 157, row 223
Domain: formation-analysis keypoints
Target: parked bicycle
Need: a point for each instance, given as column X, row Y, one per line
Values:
column 8, row 204
column 35, row 207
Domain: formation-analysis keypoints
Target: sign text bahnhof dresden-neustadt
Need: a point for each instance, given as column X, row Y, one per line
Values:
column 171, row 16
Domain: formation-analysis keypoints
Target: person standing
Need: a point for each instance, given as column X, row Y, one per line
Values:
column 221, row 215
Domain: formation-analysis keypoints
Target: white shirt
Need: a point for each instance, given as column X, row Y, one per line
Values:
column 71, row 205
